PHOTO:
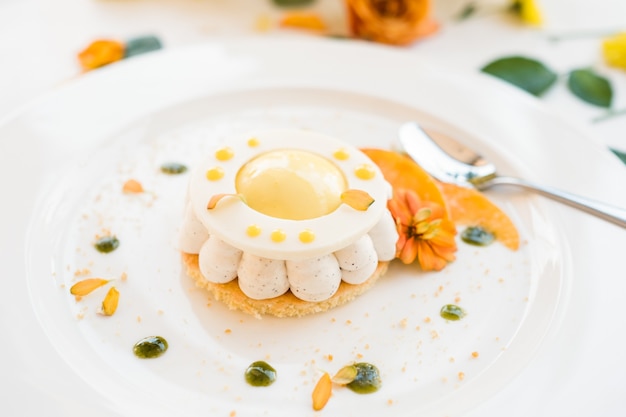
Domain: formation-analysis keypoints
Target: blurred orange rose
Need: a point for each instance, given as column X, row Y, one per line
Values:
column 394, row 22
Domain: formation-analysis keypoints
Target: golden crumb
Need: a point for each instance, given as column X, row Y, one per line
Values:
column 403, row 323
column 228, row 331
column 457, row 299
column 329, row 357
column 132, row 187
column 427, row 320
column 452, row 359
column 367, row 346
column 434, row 334
column 124, row 276
column 233, row 413
column 160, row 312
column 474, row 354
column 138, row 319
column 461, row 376
column 81, row 272
column 389, row 401
column 348, row 322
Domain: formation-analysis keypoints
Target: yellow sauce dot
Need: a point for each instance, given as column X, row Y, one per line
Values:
column 215, row 174
column 278, row 236
column 341, row 154
column 365, row 172
column 253, row 230
column 253, row 142
column 307, row 236
column 224, row 154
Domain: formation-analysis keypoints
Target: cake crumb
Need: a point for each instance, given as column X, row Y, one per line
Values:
column 403, row 323
column 233, row 413
column 329, row 357
column 474, row 354
column 123, row 277
column 389, row 401
column 434, row 334
column 427, row 320
column 461, row 376
column 228, row 331
column 452, row 359
column 138, row 319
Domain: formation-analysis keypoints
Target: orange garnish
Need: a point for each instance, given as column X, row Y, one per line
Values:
column 101, row 52
column 322, row 392
column 424, row 232
column 303, row 20
column 218, row 197
column 109, row 304
column 357, row 199
column 132, row 187
column 472, row 208
column 86, row 286
column 398, row 22
column 402, row 172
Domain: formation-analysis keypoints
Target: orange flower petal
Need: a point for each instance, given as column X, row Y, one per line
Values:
column 410, row 251
column 101, row 52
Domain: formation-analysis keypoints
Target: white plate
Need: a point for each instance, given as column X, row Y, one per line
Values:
column 546, row 320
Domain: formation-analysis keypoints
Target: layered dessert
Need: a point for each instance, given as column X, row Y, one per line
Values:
column 287, row 222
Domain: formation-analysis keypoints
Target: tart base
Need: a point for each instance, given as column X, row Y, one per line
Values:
column 286, row 305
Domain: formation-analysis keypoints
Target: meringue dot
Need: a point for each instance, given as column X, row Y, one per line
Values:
column 341, row 154
column 253, row 142
column 215, row 174
column 278, row 236
column 365, row 172
column 253, row 230
column 224, row 154
column 306, row 236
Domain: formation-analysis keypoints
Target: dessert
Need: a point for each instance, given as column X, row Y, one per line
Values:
column 287, row 222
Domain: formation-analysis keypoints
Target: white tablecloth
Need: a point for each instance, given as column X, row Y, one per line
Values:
column 39, row 40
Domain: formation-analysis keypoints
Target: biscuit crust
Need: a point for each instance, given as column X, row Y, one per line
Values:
column 286, row 305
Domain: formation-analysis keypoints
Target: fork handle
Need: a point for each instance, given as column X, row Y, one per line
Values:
column 604, row 211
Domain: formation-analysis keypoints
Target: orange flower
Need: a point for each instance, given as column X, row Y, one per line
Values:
column 394, row 22
column 424, row 232
column 101, row 52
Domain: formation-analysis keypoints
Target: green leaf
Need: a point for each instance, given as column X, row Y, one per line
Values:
column 526, row 73
column 467, row 11
column 620, row 155
column 590, row 87
column 141, row 45
column 292, row 3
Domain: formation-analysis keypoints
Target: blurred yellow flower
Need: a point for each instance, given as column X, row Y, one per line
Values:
column 614, row 50
column 528, row 11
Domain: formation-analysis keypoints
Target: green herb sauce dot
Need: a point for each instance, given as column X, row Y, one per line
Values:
column 476, row 235
column 107, row 244
column 452, row 312
column 367, row 379
column 260, row 374
column 173, row 168
column 150, row 347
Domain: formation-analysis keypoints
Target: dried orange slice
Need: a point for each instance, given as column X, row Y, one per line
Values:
column 470, row 207
column 402, row 172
